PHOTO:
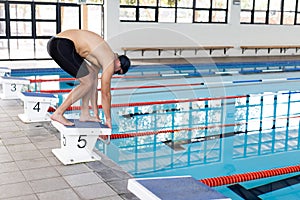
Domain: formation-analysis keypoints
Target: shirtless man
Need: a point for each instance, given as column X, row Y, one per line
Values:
column 83, row 54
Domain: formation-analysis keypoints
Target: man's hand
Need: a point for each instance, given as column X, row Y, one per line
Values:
column 105, row 93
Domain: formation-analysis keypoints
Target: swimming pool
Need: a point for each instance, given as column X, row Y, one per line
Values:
column 208, row 126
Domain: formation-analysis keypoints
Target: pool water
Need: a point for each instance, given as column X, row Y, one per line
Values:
column 210, row 138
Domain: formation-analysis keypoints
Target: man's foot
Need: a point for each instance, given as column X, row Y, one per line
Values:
column 104, row 138
column 61, row 119
column 89, row 119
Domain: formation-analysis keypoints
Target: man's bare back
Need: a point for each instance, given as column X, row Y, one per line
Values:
column 90, row 46
column 70, row 50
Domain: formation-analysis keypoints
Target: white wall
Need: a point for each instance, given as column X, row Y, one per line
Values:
column 124, row 34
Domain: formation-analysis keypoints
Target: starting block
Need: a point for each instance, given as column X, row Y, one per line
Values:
column 36, row 106
column 4, row 71
column 172, row 188
column 12, row 86
column 78, row 141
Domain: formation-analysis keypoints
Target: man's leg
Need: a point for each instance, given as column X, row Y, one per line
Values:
column 77, row 93
column 89, row 97
column 94, row 101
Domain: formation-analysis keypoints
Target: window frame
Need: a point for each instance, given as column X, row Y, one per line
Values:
column 8, row 37
column 268, row 11
column 176, row 7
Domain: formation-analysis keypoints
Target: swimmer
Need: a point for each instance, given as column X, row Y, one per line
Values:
column 82, row 54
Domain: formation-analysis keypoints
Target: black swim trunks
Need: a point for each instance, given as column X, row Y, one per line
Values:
column 63, row 52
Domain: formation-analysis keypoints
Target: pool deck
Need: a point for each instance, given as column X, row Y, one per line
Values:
column 30, row 171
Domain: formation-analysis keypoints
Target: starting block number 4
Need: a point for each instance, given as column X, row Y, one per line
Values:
column 78, row 141
column 36, row 106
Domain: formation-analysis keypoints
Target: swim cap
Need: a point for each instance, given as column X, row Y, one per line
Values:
column 125, row 63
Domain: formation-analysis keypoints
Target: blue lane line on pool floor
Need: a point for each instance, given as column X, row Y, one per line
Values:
column 247, row 81
column 291, row 79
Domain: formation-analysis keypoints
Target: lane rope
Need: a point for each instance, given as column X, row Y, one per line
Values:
column 237, row 178
column 74, row 79
column 146, row 133
column 51, row 109
column 129, row 87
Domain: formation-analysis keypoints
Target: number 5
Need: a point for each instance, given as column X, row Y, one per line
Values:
column 80, row 139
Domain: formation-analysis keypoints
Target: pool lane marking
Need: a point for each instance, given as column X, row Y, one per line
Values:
column 184, row 85
column 132, row 87
column 249, row 176
column 71, row 108
column 272, row 70
column 254, row 192
column 147, row 133
column 176, row 145
column 247, row 81
column 292, row 79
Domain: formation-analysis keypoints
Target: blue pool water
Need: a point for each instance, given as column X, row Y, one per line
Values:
column 229, row 125
column 208, row 149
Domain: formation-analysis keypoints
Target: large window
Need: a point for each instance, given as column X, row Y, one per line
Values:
column 282, row 12
column 174, row 11
column 27, row 25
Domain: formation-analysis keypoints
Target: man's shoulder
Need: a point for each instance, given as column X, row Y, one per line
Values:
column 78, row 32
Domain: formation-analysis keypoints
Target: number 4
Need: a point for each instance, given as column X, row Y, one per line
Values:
column 37, row 107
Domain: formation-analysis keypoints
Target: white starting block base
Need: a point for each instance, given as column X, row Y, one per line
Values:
column 12, row 86
column 78, row 141
column 67, row 157
column 24, row 118
column 36, row 106
column 172, row 188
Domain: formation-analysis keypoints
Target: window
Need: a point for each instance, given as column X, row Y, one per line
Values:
column 275, row 12
column 174, row 11
column 298, row 13
column 260, row 11
column 289, row 12
column 3, row 41
column 27, row 25
column 280, row 12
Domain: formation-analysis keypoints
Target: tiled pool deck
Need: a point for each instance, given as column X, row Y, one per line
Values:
column 29, row 170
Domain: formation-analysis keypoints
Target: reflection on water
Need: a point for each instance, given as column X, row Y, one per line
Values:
column 218, row 137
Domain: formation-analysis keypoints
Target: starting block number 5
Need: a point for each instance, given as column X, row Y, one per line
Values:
column 82, row 142
column 76, row 148
column 77, row 142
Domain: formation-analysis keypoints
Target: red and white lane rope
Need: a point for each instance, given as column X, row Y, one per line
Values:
column 236, row 178
column 130, row 87
column 158, row 102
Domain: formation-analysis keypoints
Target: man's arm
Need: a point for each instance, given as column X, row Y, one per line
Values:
column 94, row 69
column 106, row 94
column 94, row 101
